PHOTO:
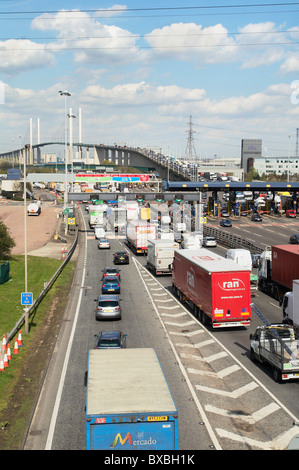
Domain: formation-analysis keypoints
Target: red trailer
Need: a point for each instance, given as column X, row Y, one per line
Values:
column 217, row 289
column 279, row 266
column 285, row 264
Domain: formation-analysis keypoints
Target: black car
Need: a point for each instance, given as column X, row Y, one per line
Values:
column 111, row 339
column 225, row 223
column 256, row 218
column 121, row 257
column 294, row 239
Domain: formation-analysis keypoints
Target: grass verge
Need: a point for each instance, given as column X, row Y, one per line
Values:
column 19, row 383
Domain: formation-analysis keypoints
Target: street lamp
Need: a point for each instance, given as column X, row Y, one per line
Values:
column 65, row 94
column 70, row 116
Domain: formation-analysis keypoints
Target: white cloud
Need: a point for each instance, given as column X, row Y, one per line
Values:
column 192, row 42
column 19, row 55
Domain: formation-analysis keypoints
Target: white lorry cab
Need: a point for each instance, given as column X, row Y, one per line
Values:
column 240, row 256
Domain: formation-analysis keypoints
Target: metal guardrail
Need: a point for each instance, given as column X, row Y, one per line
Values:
column 230, row 240
column 42, row 294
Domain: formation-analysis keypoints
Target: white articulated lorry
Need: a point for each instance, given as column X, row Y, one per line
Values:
column 160, row 255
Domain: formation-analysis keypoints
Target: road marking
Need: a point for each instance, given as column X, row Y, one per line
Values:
column 197, row 345
column 180, row 324
column 251, row 419
column 280, row 443
column 191, row 333
column 174, row 315
column 208, row 359
column 220, row 375
column 234, row 394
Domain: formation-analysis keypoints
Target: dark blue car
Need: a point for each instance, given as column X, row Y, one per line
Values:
column 111, row 339
column 111, row 285
column 225, row 223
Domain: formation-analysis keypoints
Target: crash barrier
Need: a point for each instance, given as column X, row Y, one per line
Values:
column 47, row 287
column 231, row 240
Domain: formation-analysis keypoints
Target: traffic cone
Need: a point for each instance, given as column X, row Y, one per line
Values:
column 5, row 362
column 4, row 344
column 8, row 352
column 16, row 347
column 1, row 365
column 65, row 248
column 20, row 342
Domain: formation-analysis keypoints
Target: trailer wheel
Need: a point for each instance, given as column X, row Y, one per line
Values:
column 276, row 375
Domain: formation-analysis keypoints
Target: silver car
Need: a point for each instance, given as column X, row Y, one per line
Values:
column 108, row 307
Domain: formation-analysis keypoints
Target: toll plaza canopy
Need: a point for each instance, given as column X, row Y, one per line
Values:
column 230, row 186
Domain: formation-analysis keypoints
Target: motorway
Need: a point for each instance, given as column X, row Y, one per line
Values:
column 224, row 400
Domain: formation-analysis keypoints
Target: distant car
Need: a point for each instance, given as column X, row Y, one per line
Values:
column 294, row 239
column 111, row 284
column 121, row 257
column 224, row 213
column 255, row 260
column 209, row 241
column 111, row 272
column 225, row 223
column 111, row 340
column 108, row 307
column 103, row 243
column 291, row 213
column 256, row 218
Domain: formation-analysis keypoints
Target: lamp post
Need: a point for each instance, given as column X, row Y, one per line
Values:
column 70, row 116
column 65, row 94
column 288, row 172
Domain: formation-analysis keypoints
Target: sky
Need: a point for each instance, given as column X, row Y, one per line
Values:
column 182, row 77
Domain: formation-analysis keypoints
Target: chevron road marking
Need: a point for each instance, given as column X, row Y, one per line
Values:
column 234, row 394
column 220, row 375
column 279, row 443
column 180, row 324
column 174, row 315
column 173, row 307
column 195, row 346
column 251, row 419
column 188, row 335
column 209, row 359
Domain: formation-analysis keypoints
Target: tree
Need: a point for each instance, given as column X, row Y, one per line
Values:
column 6, row 242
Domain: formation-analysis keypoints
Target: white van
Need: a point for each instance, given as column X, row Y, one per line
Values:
column 99, row 232
column 240, row 256
column 192, row 241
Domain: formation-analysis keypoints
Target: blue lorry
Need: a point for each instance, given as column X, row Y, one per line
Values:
column 129, row 405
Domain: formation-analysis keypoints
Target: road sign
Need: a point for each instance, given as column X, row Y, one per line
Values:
column 27, row 298
column 71, row 221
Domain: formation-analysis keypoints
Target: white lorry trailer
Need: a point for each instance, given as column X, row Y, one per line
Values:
column 34, row 208
column 129, row 405
column 160, row 255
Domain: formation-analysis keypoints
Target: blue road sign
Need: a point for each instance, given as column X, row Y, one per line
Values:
column 27, row 298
